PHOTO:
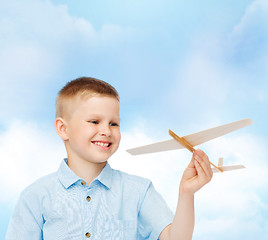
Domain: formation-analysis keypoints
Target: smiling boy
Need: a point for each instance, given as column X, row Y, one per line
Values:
column 86, row 198
column 91, row 133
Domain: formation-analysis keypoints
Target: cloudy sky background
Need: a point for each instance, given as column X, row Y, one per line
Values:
column 183, row 65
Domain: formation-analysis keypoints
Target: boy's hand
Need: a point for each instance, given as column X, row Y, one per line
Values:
column 197, row 174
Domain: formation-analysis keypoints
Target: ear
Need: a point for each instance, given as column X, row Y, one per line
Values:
column 61, row 128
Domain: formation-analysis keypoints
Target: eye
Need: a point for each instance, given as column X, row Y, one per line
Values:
column 93, row 121
column 113, row 124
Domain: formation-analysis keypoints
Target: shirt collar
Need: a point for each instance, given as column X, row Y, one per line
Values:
column 67, row 177
column 105, row 177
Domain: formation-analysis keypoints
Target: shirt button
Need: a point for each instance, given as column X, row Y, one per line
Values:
column 88, row 235
column 83, row 183
column 88, row 198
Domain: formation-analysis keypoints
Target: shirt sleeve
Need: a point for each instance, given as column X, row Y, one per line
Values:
column 26, row 221
column 154, row 214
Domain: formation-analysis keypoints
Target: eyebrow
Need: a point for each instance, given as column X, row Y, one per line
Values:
column 94, row 115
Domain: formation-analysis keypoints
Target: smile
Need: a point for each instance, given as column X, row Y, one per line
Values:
column 102, row 144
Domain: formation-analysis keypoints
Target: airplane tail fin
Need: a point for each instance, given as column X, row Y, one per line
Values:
column 220, row 162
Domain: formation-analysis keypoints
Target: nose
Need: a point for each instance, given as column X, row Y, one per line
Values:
column 105, row 130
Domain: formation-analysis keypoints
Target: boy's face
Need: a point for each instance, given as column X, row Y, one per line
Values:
column 93, row 130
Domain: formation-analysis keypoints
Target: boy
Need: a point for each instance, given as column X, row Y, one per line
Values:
column 86, row 198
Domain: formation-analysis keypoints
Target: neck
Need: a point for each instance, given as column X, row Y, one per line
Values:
column 84, row 169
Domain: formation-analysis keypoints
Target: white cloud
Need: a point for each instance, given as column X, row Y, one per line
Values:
column 255, row 14
column 27, row 153
column 248, row 40
column 52, row 29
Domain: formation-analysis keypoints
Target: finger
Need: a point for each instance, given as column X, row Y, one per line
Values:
column 200, row 170
column 202, row 176
column 191, row 164
column 203, row 160
column 203, row 179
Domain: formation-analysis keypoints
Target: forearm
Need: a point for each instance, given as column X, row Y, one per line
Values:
column 196, row 175
column 183, row 224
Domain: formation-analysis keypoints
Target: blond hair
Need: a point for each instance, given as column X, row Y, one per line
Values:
column 83, row 87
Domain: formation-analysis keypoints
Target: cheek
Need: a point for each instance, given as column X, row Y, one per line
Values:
column 118, row 136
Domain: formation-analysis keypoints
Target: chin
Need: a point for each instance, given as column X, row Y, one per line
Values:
column 100, row 161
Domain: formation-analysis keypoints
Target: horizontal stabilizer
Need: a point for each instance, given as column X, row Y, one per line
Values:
column 228, row 168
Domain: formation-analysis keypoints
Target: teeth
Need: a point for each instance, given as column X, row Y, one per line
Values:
column 102, row 144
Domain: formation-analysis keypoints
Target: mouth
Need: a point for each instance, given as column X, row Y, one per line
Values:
column 102, row 144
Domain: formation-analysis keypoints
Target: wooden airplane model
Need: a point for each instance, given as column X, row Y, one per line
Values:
column 195, row 139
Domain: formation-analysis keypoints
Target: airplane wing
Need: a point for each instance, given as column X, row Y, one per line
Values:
column 193, row 139
column 156, row 147
column 228, row 168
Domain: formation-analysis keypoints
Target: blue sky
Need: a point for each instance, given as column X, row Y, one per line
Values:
column 183, row 65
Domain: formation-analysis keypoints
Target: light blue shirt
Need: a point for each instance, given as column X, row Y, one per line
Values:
column 62, row 206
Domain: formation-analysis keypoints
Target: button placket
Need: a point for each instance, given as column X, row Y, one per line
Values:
column 88, row 206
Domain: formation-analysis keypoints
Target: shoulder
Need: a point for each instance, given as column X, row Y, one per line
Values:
column 40, row 186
